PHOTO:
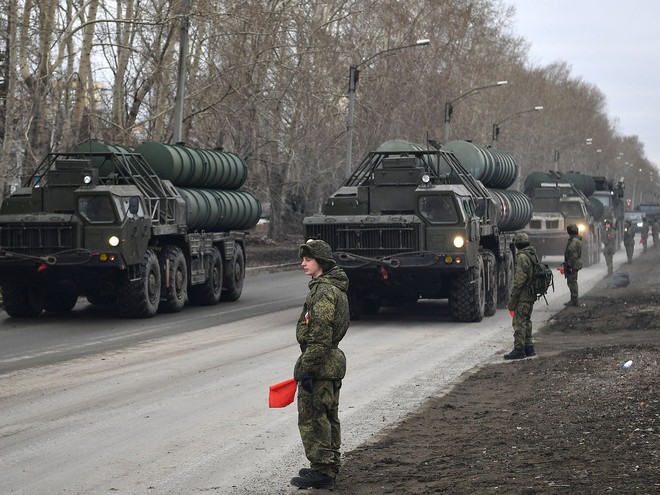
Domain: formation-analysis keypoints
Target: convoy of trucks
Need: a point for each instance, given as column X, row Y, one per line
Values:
column 152, row 228
column 432, row 222
column 146, row 229
column 559, row 200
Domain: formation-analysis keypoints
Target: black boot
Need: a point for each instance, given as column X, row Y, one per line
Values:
column 572, row 302
column 529, row 351
column 313, row 479
column 516, row 354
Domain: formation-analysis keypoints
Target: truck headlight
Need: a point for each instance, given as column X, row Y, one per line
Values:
column 581, row 228
column 113, row 241
column 459, row 241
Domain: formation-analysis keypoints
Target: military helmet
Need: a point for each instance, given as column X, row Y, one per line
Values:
column 318, row 250
column 521, row 239
column 572, row 229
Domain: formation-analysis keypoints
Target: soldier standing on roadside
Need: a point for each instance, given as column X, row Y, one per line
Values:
column 573, row 262
column 609, row 246
column 629, row 239
column 645, row 233
column 321, row 366
column 522, row 299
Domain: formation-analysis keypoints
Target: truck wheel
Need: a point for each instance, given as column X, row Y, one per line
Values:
column 468, row 294
column 234, row 276
column 504, row 291
column 490, row 267
column 174, row 289
column 208, row 293
column 22, row 302
column 62, row 297
column 140, row 298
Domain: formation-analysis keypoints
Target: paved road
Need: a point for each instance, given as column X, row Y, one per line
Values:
column 93, row 404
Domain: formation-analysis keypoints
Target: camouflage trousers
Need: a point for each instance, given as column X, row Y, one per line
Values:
column 609, row 260
column 318, row 423
column 572, row 282
column 630, row 249
column 522, row 325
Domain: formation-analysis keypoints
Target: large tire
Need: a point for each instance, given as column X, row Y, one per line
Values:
column 490, row 272
column 22, row 302
column 140, row 298
column 468, row 294
column 62, row 297
column 234, row 276
column 174, row 277
column 504, row 291
column 208, row 293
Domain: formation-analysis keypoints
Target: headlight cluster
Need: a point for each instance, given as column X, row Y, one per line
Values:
column 459, row 242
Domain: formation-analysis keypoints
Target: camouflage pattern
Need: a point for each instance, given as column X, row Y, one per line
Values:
column 629, row 240
column 318, row 423
column 573, row 263
column 318, row 250
column 323, row 322
column 522, row 298
column 609, row 246
column 522, row 325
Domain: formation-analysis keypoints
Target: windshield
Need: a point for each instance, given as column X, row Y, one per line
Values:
column 438, row 209
column 107, row 209
column 96, row 209
column 572, row 209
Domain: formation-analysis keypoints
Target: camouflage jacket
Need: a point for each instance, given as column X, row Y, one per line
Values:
column 628, row 235
column 609, row 241
column 522, row 280
column 573, row 254
column 323, row 322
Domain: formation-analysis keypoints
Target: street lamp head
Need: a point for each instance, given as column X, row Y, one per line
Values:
column 538, row 109
column 423, row 42
column 501, row 83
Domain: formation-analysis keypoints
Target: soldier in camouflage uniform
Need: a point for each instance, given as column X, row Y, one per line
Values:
column 321, row 366
column 629, row 239
column 609, row 246
column 573, row 262
column 522, row 299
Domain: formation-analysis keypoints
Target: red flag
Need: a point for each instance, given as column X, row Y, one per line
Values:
column 282, row 394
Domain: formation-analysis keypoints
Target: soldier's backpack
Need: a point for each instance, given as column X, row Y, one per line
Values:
column 542, row 278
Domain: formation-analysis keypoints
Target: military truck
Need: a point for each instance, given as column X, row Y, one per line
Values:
column 417, row 221
column 100, row 222
column 558, row 202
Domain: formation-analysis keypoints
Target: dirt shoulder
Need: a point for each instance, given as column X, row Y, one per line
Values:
column 572, row 420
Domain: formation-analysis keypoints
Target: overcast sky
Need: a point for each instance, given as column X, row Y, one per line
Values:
column 613, row 44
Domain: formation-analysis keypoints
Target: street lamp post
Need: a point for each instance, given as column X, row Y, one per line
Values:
column 496, row 125
column 449, row 105
column 353, row 78
column 586, row 142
